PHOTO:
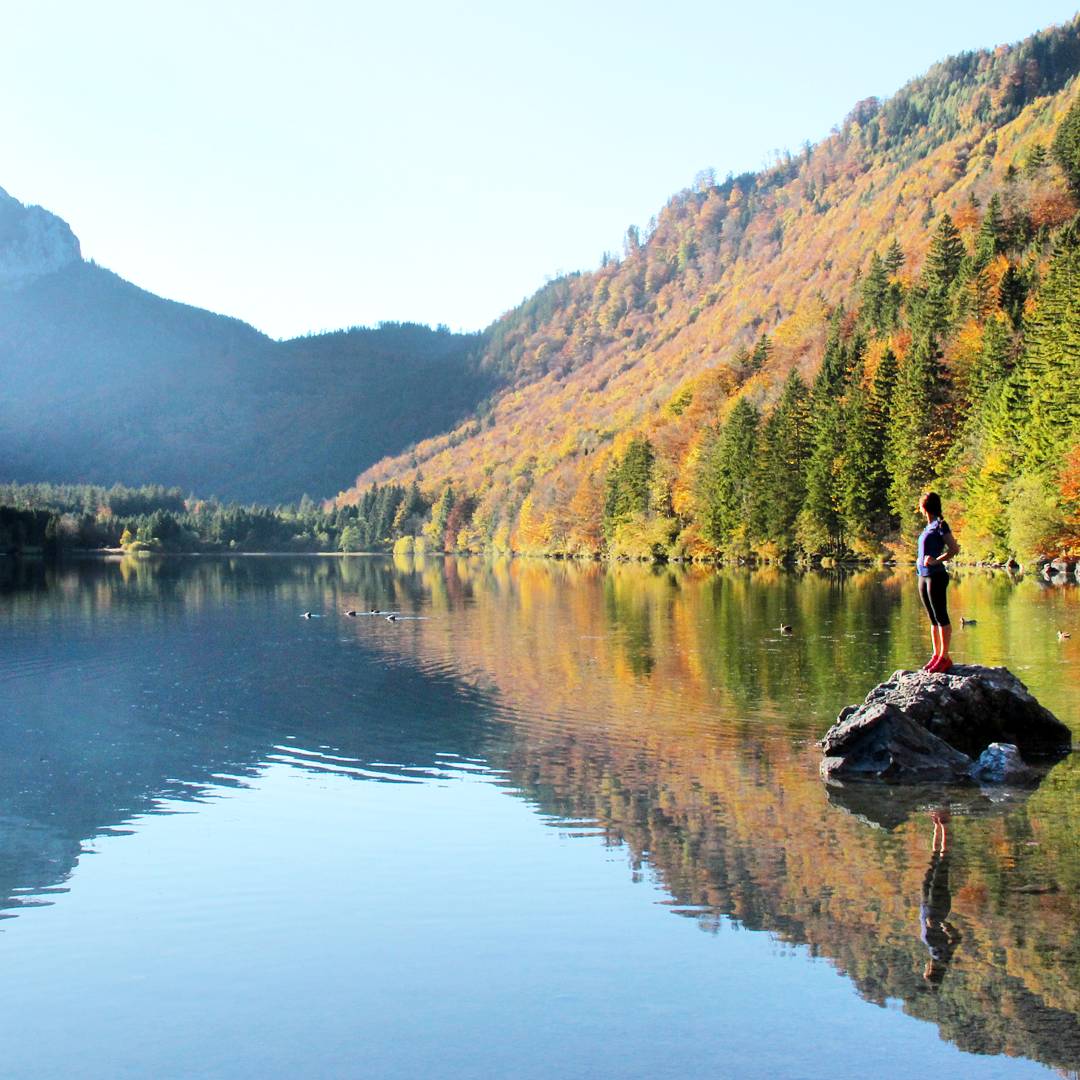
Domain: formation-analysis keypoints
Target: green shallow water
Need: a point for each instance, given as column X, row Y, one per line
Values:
column 555, row 820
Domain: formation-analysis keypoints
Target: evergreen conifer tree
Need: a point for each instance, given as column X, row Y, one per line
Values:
column 628, row 486
column 990, row 240
column 874, row 290
column 728, row 481
column 785, row 440
column 1052, row 360
column 894, row 258
column 944, row 262
column 1066, row 146
column 915, row 439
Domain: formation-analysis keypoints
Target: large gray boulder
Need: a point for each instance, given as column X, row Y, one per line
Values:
column 917, row 726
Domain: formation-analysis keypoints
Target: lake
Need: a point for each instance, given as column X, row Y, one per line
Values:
column 557, row 820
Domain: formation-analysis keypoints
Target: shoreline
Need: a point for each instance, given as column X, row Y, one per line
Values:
column 1040, row 571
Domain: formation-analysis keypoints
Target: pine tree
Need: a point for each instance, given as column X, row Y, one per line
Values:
column 1066, row 146
column 822, row 524
column 636, row 477
column 1012, row 294
column 859, row 465
column 1052, row 360
column 761, row 353
column 1036, row 160
column 781, row 482
column 990, row 240
column 916, row 437
column 829, row 383
column 628, row 486
column 941, row 271
column 992, row 365
column 874, row 291
column 863, row 483
column 894, row 258
column 728, row 480
column 946, row 255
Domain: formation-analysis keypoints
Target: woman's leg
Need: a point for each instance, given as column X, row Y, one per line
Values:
column 938, row 597
column 924, row 596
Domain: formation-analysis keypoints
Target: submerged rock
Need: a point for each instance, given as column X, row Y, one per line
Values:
column 1001, row 763
column 919, row 726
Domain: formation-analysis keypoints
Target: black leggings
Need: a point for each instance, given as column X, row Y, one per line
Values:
column 932, row 593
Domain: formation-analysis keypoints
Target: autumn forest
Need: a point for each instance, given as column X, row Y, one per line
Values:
column 782, row 361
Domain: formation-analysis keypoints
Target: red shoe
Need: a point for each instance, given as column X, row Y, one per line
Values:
column 943, row 665
column 929, row 665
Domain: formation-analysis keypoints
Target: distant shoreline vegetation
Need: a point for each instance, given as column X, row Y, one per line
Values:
column 54, row 519
column 57, row 520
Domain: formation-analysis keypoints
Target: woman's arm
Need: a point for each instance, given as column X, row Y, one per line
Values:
column 951, row 548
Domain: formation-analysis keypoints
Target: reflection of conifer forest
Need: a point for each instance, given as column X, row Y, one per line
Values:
column 665, row 708
column 658, row 708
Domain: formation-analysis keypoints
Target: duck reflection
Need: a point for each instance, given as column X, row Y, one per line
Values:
column 938, row 935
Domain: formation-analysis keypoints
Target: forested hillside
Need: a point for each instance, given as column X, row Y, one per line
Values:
column 783, row 360
column 105, row 382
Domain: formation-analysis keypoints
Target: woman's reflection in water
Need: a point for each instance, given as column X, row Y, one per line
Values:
column 939, row 936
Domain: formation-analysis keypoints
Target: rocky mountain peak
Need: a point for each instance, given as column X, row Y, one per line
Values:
column 33, row 242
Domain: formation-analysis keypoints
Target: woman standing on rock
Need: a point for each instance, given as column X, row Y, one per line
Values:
column 936, row 545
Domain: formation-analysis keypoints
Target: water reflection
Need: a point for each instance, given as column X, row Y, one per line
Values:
column 661, row 709
column 937, row 933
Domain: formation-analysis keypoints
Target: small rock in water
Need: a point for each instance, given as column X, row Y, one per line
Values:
column 1001, row 763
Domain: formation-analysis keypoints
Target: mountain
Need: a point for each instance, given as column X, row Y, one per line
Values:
column 931, row 229
column 104, row 381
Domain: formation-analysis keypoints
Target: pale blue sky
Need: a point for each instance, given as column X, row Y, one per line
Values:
column 312, row 166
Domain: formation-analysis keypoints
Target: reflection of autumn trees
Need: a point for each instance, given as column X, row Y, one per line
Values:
column 663, row 706
column 660, row 704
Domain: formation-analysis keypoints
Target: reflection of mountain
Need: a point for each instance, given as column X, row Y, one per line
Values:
column 173, row 725
column 659, row 705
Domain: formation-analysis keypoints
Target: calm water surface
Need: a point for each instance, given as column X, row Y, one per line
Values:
column 559, row 822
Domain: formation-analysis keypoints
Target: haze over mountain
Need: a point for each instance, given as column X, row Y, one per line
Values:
column 105, row 382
